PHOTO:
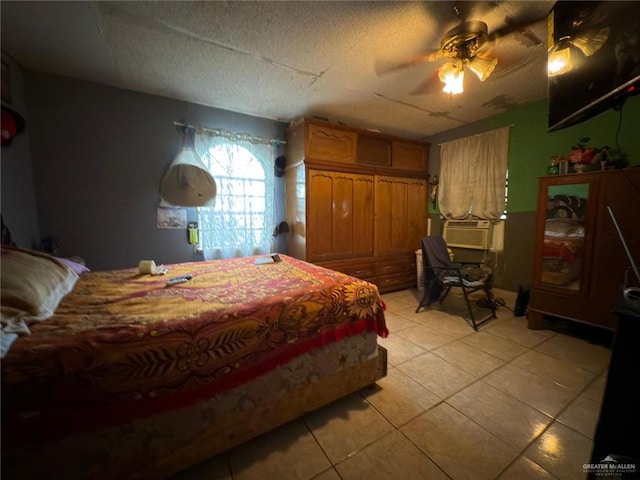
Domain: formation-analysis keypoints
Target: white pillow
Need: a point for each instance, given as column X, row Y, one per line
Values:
column 32, row 286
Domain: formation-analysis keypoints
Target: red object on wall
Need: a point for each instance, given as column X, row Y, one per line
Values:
column 12, row 124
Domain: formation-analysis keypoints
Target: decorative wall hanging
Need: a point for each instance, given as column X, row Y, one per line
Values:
column 187, row 182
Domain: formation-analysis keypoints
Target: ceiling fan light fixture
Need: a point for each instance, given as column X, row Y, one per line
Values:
column 482, row 67
column 559, row 60
column 452, row 75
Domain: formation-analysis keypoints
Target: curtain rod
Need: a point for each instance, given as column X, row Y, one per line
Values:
column 219, row 132
column 506, row 126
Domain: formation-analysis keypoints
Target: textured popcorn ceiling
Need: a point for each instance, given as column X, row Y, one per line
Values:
column 283, row 60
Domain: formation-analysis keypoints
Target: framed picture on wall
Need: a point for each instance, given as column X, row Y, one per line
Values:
column 172, row 218
column 6, row 83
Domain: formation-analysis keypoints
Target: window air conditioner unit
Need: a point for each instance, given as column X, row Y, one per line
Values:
column 474, row 234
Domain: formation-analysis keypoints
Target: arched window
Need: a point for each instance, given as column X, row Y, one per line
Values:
column 241, row 222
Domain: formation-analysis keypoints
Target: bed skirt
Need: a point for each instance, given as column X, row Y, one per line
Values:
column 161, row 445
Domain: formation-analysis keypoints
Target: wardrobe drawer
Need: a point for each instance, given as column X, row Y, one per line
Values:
column 362, row 270
column 395, row 281
column 394, row 267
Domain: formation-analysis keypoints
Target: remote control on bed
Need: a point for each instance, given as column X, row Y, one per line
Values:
column 176, row 280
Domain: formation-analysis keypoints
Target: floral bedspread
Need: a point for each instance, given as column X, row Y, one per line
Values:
column 123, row 345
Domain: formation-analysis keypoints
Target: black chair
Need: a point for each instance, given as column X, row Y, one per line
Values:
column 441, row 275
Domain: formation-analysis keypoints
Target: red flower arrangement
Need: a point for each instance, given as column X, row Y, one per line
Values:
column 580, row 153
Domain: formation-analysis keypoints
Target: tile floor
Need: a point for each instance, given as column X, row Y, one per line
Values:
column 503, row 403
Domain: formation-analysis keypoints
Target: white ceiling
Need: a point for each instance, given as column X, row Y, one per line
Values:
column 287, row 59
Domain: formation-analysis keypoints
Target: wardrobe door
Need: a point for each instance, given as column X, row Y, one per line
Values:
column 319, row 215
column 417, row 215
column 340, row 216
column 362, row 215
column 400, row 214
column 567, row 209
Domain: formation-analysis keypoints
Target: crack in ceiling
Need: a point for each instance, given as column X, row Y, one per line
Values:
column 169, row 28
column 284, row 60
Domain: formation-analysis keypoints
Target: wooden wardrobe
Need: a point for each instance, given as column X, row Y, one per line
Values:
column 356, row 201
column 580, row 272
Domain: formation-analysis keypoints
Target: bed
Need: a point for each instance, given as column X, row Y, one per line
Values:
column 130, row 378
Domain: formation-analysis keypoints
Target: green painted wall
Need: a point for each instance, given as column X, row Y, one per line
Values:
column 531, row 147
column 530, row 150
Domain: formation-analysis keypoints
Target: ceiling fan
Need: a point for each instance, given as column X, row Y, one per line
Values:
column 467, row 46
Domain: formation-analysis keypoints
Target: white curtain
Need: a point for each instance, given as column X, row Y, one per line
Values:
column 242, row 221
column 473, row 172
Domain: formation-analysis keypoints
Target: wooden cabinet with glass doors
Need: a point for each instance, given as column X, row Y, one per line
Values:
column 580, row 265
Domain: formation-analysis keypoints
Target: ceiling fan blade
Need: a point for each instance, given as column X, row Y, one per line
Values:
column 519, row 27
column 470, row 10
column 384, row 67
column 431, row 85
column 507, row 65
column 450, row 14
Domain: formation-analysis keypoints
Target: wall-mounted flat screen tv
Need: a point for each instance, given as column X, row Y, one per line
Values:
column 594, row 59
